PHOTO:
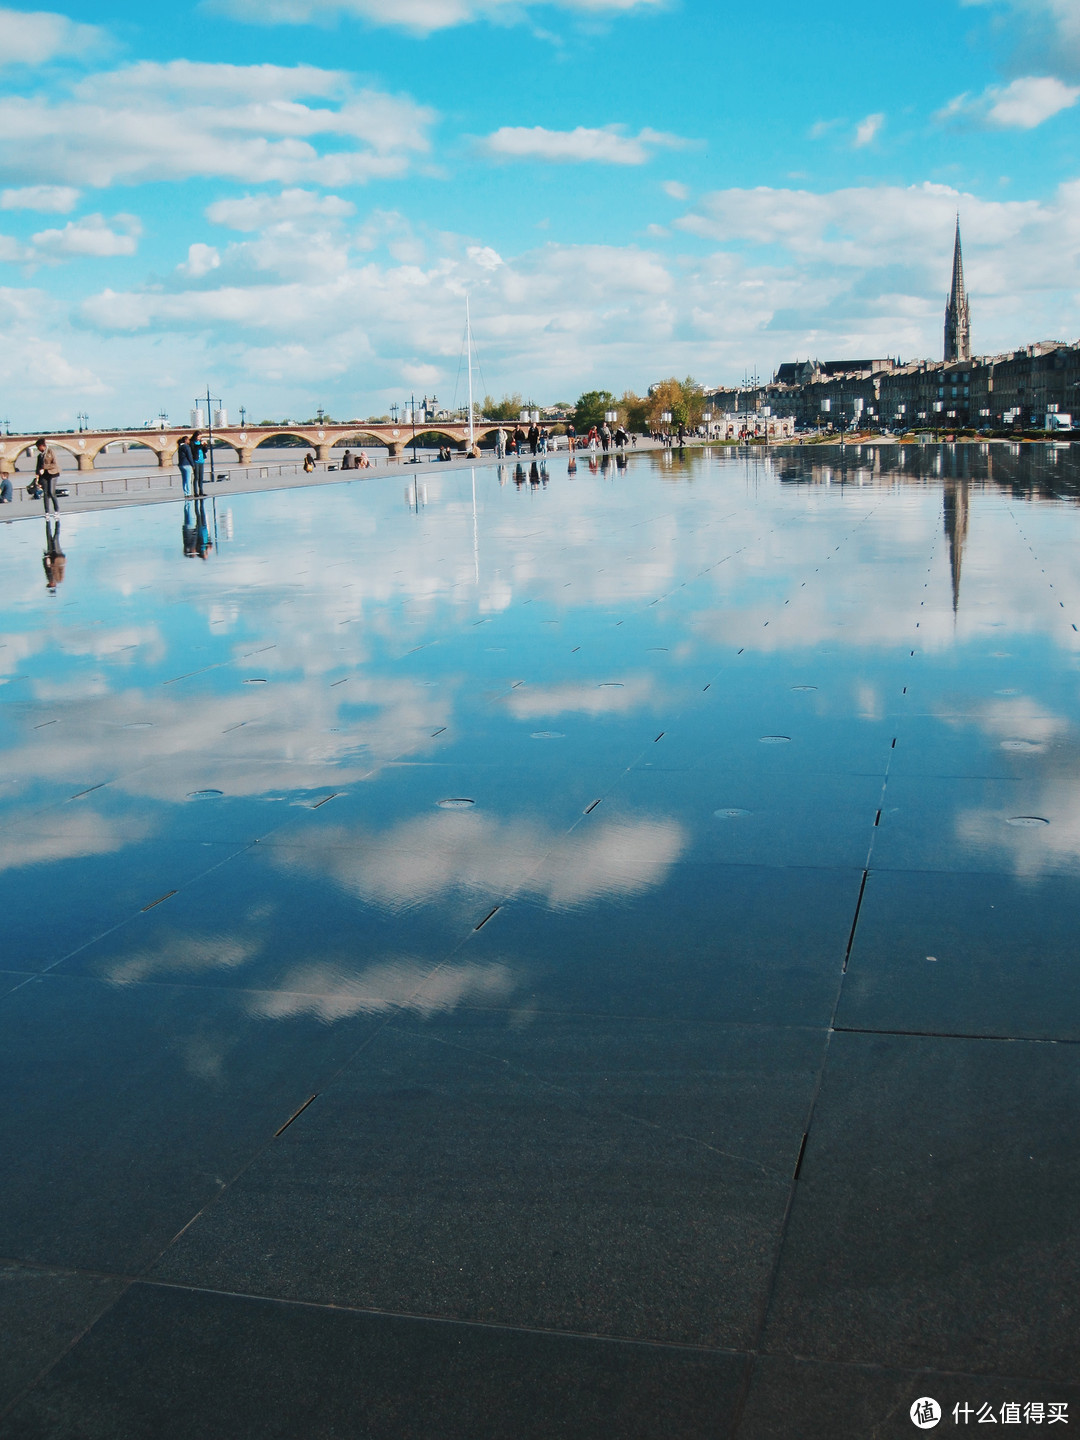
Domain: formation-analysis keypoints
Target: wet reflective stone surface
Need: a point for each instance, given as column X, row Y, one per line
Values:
column 585, row 958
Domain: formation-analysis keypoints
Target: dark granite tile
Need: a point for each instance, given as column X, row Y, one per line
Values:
column 41, row 1313
column 174, row 1364
column 944, row 823
column 1008, row 740
column 620, row 1179
column 1004, row 956
column 737, row 724
column 319, row 919
column 624, row 932
column 813, row 1401
column 935, row 1222
column 745, row 815
column 60, row 892
column 129, row 1108
column 399, row 803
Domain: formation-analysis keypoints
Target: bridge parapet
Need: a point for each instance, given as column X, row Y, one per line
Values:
column 87, row 445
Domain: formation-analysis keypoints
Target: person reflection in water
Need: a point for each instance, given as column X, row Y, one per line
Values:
column 571, row 468
column 196, row 532
column 54, row 560
column 534, row 474
column 519, row 476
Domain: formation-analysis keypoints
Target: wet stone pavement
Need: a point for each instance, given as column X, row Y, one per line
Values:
column 520, row 955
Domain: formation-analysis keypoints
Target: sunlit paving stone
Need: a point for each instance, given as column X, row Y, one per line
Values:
column 630, row 915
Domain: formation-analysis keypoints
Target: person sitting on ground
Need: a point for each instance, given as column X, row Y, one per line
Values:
column 363, row 463
column 309, row 463
column 347, row 460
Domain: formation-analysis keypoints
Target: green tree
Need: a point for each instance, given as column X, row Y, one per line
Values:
column 590, row 408
column 508, row 408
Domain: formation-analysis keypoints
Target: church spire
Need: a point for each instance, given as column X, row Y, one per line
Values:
column 957, row 316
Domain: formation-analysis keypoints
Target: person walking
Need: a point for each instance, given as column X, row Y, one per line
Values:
column 186, row 460
column 5, row 487
column 47, row 473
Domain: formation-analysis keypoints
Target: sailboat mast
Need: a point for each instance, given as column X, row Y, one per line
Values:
column 468, row 344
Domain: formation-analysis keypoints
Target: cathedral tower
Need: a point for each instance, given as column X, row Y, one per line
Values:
column 957, row 316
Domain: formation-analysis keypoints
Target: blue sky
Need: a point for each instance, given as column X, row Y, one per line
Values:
column 288, row 199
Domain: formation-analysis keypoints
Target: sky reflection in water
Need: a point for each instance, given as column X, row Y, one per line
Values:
column 535, row 645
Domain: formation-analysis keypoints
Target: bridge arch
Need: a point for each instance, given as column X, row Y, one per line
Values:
column 285, row 433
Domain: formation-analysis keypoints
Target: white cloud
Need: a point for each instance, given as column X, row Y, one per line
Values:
column 256, row 123
column 256, row 212
column 676, row 189
column 32, row 37
column 422, row 16
column 608, row 146
column 867, row 130
column 484, row 256
column 1022, row 105
column 201, row 260
column 46, row 199
column 90, row 235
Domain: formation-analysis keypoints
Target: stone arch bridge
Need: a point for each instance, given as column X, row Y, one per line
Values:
column 88, row 445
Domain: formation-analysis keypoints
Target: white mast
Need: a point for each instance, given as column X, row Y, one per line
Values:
column 468, row 343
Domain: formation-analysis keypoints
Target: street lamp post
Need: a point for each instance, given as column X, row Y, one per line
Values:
column 211, row 400
column 412, row 417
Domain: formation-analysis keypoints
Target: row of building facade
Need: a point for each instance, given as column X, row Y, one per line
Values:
column 1037, row 387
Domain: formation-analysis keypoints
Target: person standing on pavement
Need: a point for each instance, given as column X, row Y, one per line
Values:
column 186, row 460
column 500, row 444
column 198, row 454
column 47, row 473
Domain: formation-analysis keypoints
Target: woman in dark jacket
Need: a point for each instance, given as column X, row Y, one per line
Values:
column 186, row 460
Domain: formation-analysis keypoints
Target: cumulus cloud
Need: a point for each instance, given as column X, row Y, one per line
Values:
column 255, row 123
column 255, row 212
column 33, row 37
column 200, row 261
column 90, row 236
column 608, row 146
column 422, row 16
column 867, row 130
column 1022, row 105
column 45, row 199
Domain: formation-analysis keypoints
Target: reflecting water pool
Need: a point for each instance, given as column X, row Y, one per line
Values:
column 477, row 881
